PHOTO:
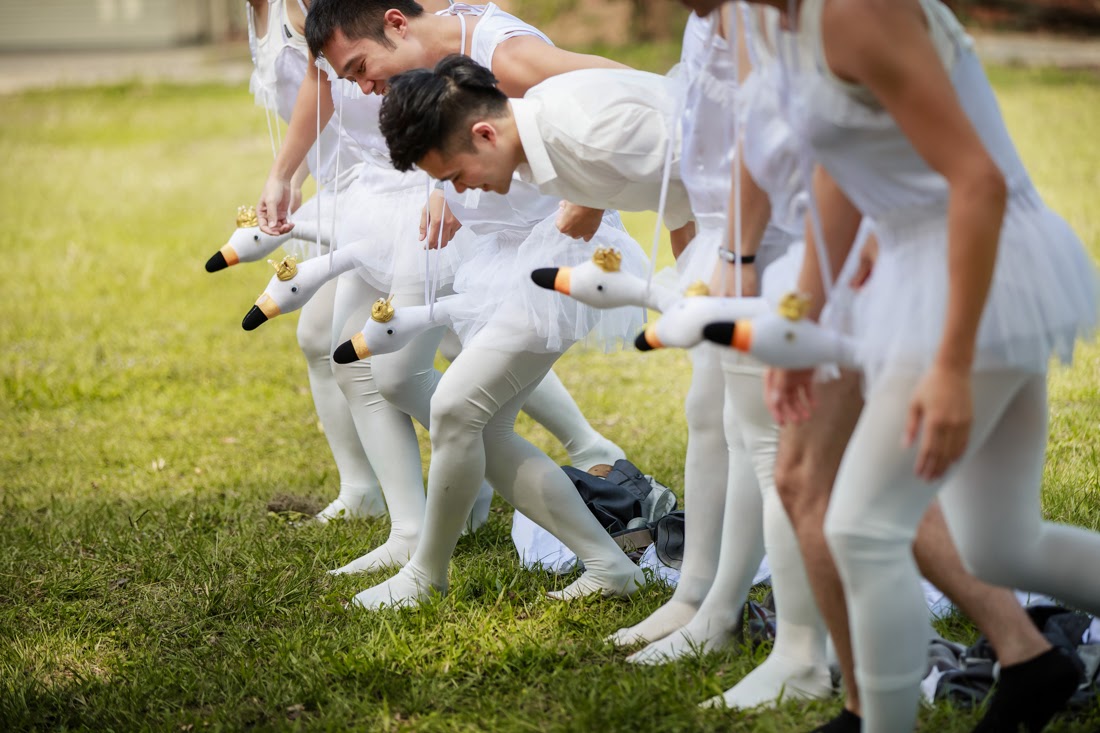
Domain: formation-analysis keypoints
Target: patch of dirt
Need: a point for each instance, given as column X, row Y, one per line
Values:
column 293, row 504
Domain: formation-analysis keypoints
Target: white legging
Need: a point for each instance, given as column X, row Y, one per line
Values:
column 315, row 341
column 473, row 413
column 386, row 431
column 991, row 501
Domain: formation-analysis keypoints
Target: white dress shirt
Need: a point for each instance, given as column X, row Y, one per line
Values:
column 599, row 138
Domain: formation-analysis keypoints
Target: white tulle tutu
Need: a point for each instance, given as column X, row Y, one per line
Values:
column 1042, row 299
column 379, row 222
column 494, row 286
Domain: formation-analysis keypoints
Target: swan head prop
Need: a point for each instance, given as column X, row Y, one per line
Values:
column 388, row 330
column 599, row 282
column 289, row 289
column 246, row 244
column 697, row 289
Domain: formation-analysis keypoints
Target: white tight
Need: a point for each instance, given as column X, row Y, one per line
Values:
column 386, row 431
column 991, row 501
column 473, row 416
column 359, row 487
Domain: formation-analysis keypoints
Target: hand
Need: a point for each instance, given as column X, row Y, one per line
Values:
column 867, row 257
column 789, row 394
column 430, row 217
column 274, row 206
column 578, row 222
column 942, row 410
column 723, row 283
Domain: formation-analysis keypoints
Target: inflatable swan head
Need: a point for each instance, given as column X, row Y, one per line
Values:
column 389, row 329
column 599, row 283
column 784, row 338
column 249, row 244
column 682, row 324
column 291, row 287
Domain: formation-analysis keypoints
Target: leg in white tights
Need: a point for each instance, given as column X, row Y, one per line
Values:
column 797, row 666
column 750, row 438
column 387, row 434
column 360, row 494
column 551, row 406
column 704, row 497
column 472, row 428
column 992, row 504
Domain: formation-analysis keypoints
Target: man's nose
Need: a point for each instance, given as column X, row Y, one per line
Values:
column 366, row 85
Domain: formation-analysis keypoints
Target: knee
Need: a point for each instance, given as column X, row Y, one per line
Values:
column 853, row 542
column 802, row 496
column 454, row 415
column 703, row 411
column 315, row 342
column 393, row 383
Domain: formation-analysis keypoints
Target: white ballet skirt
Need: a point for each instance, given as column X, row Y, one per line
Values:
column 1043, row 295
column 494, row 282
column 508, row 237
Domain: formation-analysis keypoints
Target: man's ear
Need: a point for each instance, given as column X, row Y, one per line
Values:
column 484, row 131
column 395, row 19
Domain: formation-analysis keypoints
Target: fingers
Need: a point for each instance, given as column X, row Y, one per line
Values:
column 423, row 223
column 941, row 444
column 432, row 235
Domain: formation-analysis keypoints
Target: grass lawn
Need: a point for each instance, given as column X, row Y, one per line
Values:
column 143, row 584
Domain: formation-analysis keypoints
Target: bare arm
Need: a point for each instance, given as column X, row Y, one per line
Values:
column 301, row 134
column 892, row 55
column 839, row 225
column 524, row 61
column 885, row 46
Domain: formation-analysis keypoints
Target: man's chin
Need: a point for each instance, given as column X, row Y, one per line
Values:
column 503, row 188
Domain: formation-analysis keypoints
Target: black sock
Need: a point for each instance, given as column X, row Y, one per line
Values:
column 846, row 722
column 1028, row 694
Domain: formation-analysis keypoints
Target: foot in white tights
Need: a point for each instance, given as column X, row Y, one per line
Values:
column 662, row 622
column 354, row 503
column 408, row 589
column 594, row 453
column 619, row 583
column 699, row 636
column 778, row 678
column 393, row 553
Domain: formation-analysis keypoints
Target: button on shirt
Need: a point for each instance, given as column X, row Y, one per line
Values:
column 599, row 138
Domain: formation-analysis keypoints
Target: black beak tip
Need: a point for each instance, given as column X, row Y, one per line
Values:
column 719, row 333
column 345, row 353
column 217, row 262
column 641, row 344
column 253, row 319
column 544, row 277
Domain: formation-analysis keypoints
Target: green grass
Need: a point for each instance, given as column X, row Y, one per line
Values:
column 143, row 584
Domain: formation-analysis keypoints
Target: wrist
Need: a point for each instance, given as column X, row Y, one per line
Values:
column 729, row 256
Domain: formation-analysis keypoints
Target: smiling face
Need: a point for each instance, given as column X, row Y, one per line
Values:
column 488, row 166
column 370, row 63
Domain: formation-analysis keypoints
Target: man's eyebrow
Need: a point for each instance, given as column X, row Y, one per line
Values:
column 347, row 67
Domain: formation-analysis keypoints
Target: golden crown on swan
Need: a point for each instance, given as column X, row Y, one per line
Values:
column 286, row 268
column 608, row 259
column 382, row 311
column 794, row 306
column 697, row 289
column 246, row 217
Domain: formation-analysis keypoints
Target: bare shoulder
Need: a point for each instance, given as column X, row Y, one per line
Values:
column 858, row 33
column 522, row 62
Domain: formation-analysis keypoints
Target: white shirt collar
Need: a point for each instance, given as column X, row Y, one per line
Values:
column 538, row 169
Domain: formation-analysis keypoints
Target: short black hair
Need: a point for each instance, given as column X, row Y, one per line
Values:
column 354, row 18
column 430, row 110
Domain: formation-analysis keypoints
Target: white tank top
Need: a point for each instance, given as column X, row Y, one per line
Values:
column 484, row 212
column 279, row 58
